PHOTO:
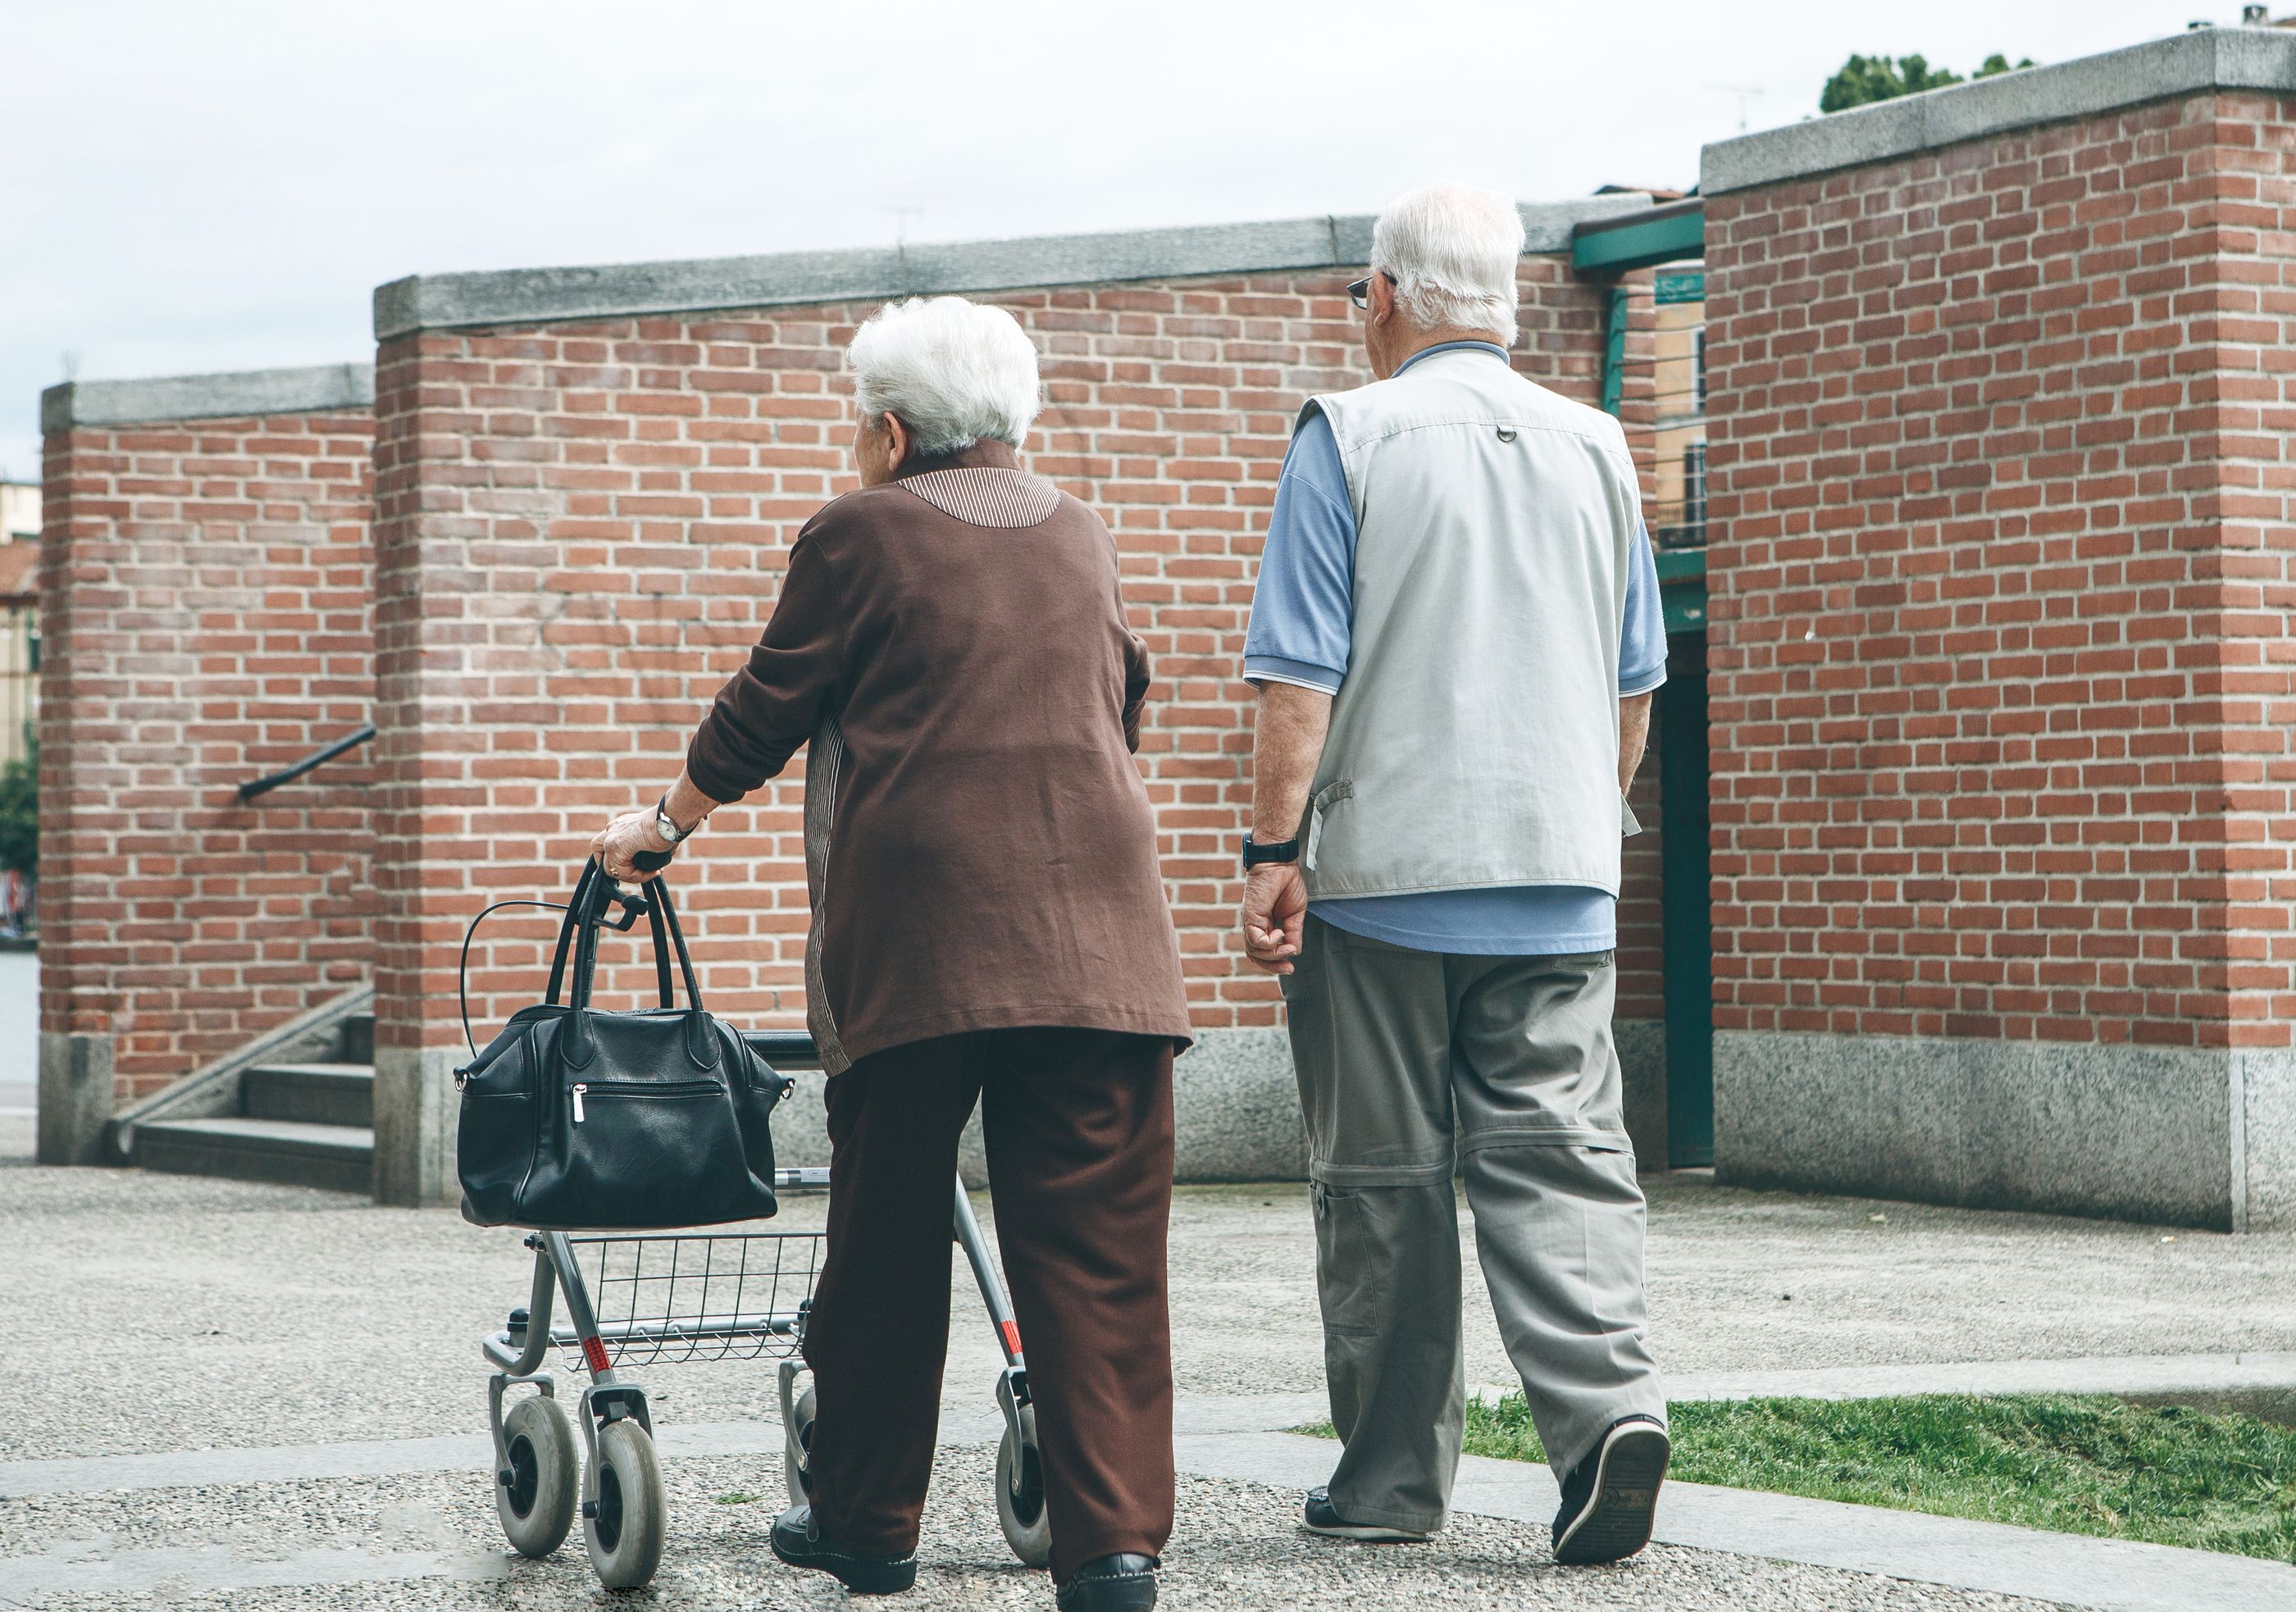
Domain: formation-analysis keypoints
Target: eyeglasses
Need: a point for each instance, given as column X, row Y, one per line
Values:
column 1359, row 291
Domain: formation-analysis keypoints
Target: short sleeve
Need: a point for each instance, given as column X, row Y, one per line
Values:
column 1642, row 637
column 1305, row 600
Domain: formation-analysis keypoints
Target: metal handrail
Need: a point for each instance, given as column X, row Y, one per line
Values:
column 317, row 759
column 792, row 1048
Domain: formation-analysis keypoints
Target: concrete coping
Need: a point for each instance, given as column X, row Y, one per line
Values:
column 2183, row 65
column 422, row 302
column 231, row 395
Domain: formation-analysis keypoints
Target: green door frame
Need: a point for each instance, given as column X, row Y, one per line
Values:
column 1687, row 909
column 1607, row 250
column 1668, row 234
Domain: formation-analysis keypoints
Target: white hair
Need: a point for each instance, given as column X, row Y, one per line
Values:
column 1451, row 251
column 952, row 371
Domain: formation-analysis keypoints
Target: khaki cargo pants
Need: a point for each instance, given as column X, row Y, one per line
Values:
column 1412, row 1065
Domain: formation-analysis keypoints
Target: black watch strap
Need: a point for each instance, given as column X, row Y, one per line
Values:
column 1254, row 855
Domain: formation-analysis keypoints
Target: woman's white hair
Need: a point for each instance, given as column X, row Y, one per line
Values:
column 1452, row 251
column 952, row 371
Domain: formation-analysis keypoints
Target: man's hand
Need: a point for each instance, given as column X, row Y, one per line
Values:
column 623, row 838
column 1275, row 913
column 1288, row 729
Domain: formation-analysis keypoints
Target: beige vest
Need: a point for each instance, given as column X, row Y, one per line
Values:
column 1475, row 740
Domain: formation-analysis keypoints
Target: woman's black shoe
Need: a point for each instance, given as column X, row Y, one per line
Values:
column 1124, row 1582
column 798, row 1541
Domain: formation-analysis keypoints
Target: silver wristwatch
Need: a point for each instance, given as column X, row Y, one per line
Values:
column 664, row 825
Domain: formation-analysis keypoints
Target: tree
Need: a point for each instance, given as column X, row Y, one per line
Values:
column 19, row 824
column 1865, row 79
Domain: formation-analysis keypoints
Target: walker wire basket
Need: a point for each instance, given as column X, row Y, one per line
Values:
column 666, row 1300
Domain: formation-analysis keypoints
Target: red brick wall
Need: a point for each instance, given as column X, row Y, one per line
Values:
column 204, row 618
column 2251, row 311
column 580, row 529
column 1998, row 588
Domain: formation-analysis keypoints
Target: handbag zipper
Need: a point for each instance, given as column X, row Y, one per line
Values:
column 644, row 1088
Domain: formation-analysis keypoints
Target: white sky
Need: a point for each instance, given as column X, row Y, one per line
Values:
column 219, row 186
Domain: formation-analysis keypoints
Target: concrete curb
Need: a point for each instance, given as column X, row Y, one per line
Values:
column 2111, row 1576
column 193, row 1569
column 2182, row 64
column 2176, row 1379
column 424, row 302
column 235, row 394
column 2261, row 1384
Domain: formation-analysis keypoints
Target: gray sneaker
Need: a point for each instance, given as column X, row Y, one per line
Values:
column 1609, row 1500
column 1318, row 1517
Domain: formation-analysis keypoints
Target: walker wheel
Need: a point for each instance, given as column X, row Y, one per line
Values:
column 797, row 1448
column 623, row 1527
column 1020, row 1509
column 534, row 1494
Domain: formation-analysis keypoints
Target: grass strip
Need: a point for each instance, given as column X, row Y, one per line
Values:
column 2068, row 1463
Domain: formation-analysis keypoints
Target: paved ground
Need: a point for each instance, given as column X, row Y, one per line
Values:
column 1237, row 1548
column 155, row 1313
column 151, row 1291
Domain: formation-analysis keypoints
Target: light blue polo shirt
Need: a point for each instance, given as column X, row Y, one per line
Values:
column 1301, row 614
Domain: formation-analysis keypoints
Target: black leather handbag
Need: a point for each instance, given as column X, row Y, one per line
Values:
column 578, row 1119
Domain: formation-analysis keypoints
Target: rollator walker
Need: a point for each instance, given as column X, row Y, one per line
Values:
column 665, row 1298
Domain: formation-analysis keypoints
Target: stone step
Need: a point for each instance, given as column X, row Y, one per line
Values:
column 290, row 1151
column 322, row 1093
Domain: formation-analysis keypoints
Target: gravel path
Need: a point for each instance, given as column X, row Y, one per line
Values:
column 1237, row 1548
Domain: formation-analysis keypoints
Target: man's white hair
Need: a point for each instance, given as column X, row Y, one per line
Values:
column 1451, row 251
column 951, row 370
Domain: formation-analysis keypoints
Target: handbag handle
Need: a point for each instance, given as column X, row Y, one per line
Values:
column 584, row 915
column 661, row 954
column 662, row 911
column 575, row 907
column 585, row 908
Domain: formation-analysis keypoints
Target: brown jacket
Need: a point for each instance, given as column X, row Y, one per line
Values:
column 980, row 847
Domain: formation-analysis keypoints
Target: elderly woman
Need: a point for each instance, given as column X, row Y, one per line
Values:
column 989, row 923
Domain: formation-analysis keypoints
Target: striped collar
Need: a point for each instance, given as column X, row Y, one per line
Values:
column 991, row 496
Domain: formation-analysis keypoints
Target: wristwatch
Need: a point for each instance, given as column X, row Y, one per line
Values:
column 665, row 825
column 1254, row 855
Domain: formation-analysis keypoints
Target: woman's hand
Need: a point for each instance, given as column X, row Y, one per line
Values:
column 623, row 838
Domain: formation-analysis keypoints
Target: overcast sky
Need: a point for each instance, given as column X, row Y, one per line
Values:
column 219, row 186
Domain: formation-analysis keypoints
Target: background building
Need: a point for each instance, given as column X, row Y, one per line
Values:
column 1964, row 433
column 19, row 614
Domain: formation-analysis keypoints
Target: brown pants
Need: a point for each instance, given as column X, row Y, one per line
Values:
column 1079, row 1126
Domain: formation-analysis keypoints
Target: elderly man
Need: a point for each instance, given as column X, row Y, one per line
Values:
column 1454, row 639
